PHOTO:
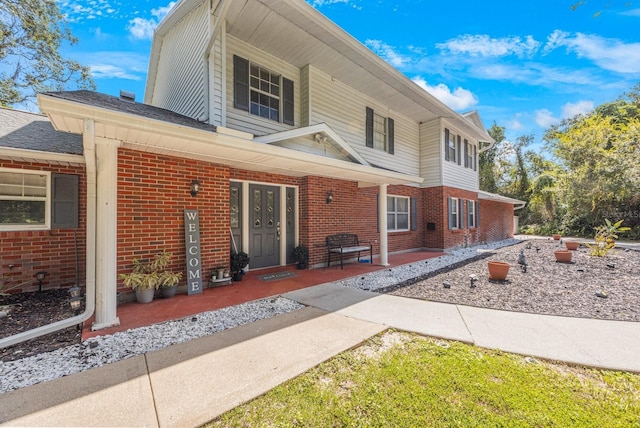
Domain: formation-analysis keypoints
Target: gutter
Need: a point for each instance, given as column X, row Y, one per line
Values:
column 88, row 143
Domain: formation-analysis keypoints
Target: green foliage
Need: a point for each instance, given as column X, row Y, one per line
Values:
column 151, row 273
column 487, row 160
column 31, row 35
column 605, row 237
column 404, row 380
column 300, row 254
column 238, row 261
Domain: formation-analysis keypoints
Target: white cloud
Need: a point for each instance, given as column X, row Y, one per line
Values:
column 387, row 52
column 142, row 28
column 609, row 54
column 574, row 109
column 544, row 118
column 458, row 99
column 108, row 71
column 320, row 3
column 532, row 73
column 116, row 64
column 484, row 46
column 631, row 12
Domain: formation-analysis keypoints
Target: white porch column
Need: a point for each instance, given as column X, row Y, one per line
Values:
column 106, row 234
column 382, row 216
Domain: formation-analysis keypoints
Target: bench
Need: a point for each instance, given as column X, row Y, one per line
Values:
column 346, row 243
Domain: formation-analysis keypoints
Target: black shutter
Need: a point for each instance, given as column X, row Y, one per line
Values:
column 466, row 154
column 240, row 83
column 64, row 201
column 390, row 126
column 459, row 151
column 461, row 213
column 478, row 214
column 369, row 128
column 449, row 211
column 378, row 212
column 446, row 144
column 414, row 214
column 287, row 97
column 475, row 158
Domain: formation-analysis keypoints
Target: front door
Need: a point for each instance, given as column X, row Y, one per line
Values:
column 264, row 226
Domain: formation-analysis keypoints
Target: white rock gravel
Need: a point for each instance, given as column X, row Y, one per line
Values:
column 102, row 350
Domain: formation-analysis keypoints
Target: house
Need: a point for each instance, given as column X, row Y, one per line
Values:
column 293, row 131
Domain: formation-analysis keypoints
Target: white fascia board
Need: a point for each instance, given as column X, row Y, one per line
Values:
column 310, row 130
column 25, row 155
column 499, row 198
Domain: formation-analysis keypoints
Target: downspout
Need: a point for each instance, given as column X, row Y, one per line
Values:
column 223, row 6
column 493, row 143
column 88, row 142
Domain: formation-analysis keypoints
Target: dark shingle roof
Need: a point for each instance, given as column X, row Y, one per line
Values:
column 30, row 131
column 110, row 102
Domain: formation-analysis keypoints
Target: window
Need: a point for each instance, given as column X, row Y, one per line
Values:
column 262, row 92
column 468, row 154
column 379, row 131
column 24, row 199
column 455, row 208
column 398, row 213
column 472, row 218
column 450, row 146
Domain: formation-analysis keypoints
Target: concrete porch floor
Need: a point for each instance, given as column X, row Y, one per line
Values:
column 134, row 315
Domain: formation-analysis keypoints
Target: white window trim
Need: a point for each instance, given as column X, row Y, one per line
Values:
column 454, row 210
column 385, row 123
column 396, row 213
column 471, row 219
column 47, row 201
column 453, row 157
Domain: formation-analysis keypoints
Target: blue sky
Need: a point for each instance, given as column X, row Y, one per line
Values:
column 523, row 64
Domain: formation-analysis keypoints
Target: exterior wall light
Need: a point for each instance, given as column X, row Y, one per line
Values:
column 330, row 197
column 195, row 187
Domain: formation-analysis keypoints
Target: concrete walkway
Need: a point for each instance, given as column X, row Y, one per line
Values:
column 192, row 383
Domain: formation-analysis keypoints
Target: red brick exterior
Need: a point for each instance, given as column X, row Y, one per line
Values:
column 52, row 251
column 496, row 221
column 154, row 191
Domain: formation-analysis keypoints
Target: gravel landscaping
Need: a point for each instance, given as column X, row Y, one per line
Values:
column 547, row 287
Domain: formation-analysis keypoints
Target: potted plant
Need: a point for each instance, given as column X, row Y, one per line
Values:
column 498, row 270
column 149, row 275
column 239, row 260
column 300, row 254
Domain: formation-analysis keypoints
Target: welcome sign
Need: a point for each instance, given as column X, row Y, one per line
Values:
column 192, row 246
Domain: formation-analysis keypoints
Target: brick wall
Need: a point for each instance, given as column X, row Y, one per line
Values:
column 52, row 251
column 496, row 221
column 153, row 192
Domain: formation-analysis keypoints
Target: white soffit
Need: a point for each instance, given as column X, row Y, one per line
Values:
column 499, row 198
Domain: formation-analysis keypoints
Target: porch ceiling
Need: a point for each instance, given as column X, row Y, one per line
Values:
column 226, row 147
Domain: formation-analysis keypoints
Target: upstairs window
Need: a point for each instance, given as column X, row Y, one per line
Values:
column 262, row 92
column 379, row 131
column 451, row 146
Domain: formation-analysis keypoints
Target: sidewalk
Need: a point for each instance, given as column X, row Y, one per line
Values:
column 192, row 383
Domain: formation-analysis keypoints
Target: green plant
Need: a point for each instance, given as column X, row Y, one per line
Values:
column 151, row 273
column 605, row 237
column 238, row 261
column 300, row 254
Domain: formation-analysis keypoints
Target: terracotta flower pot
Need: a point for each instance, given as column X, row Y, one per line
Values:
column 498, row 270
column 572, row 245
column 563, row 256
column 556, row 236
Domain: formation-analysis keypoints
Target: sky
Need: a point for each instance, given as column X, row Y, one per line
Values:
column 524, row 65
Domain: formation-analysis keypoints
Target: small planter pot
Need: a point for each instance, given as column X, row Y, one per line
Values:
column 556, row 236
column 572, row 245
column 145, row 295
column 236, row 276
column 168, row 292
column 498, row 270
column 563, row 256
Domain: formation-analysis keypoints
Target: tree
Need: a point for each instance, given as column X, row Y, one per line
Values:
column 31, row 34
column 488, row 172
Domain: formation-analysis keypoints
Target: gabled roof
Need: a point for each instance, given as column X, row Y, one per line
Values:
column 297, row 33
column 29, row 131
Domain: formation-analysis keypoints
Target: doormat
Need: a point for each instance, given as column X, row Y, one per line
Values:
column 276, row 276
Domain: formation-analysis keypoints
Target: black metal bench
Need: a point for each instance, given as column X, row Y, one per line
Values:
column 346, row 243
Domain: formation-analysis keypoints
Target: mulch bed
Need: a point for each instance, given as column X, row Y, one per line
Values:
column 547, row 287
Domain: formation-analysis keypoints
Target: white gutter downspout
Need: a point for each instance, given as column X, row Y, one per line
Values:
column 88, row 142
column 493, row 143
column 215, row 28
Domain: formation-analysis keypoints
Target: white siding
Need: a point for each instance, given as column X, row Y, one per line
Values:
column 242, row 120
column 216, row 88
column 455, row 175
column 431, row 153
column 182, row 69
column 344, row 110
column 308, row 145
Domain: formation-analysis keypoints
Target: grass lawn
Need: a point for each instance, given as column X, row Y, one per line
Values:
column 404, row 380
